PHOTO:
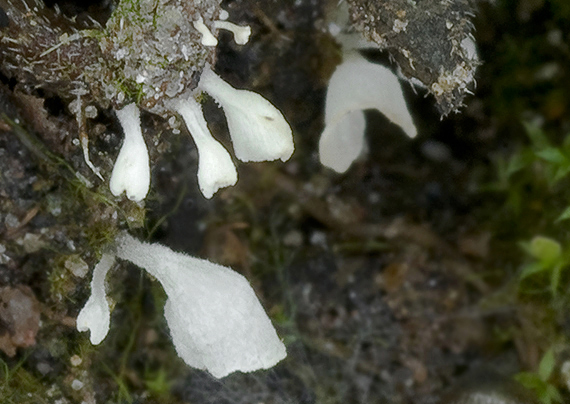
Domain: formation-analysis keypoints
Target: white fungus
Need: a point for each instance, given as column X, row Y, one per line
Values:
column 470, row 48
column 131, row 172
column 241, row 34
column 342, row 141
column 216, row 321
column 357, row 85
column 259, row 132
column 215, row 167
column 95, row 315
column 208, row 39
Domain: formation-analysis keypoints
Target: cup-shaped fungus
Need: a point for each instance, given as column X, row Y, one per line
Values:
column 216, row 321
column 357, row 85
column 215, row 167
column 131, row 172
column 259, row 132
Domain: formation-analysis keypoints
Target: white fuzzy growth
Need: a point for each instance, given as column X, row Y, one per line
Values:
column 258, row 130
column 357, row 85
column 216, row 321
column 241, row 34
column 131, row 172
column 95, row 315
column 342, row 142
column 208, row 39
column 215, row 167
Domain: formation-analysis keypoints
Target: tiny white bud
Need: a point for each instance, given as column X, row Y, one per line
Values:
column 224, row 15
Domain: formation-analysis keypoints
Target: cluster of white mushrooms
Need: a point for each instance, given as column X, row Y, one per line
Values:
column 215, row 319
column 259, row 132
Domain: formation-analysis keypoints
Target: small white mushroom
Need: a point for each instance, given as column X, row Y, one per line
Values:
column 259, row 132
column 215, row 167
column 131, row 172
column 469, row 48
column 357, row 85
column 208, row 39
column 95, row 315
column 241, row 34
column 216, row 321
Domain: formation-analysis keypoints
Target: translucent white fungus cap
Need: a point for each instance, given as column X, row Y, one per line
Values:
column 259, row 132
column 357, row 85
column 215, row 166
column 131, row 172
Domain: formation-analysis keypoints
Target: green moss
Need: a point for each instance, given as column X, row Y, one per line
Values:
column 61, row 282
column 19, row 386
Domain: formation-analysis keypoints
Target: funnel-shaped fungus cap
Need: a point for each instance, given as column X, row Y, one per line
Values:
column 216, row 321
column 357, row 85
column 215, row 167
column 131, row 172
column 258, row 130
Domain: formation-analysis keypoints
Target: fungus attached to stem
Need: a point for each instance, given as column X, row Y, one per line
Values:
column 95, row 315
column 208, row 39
